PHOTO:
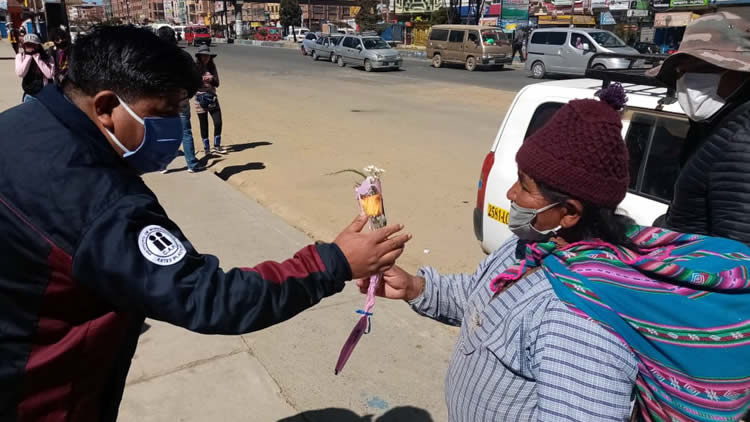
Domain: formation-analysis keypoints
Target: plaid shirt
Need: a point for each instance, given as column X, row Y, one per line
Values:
column 523, row 355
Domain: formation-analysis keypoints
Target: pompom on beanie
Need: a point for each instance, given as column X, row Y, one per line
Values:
column 580, row 151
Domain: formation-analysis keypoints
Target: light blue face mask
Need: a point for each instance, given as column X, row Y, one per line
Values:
column 161, row 140
column 521, row 223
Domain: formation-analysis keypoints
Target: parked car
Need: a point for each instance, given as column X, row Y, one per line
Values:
column 197, row 34
column 308, row 44
column 267, row 33
column 653, row 133
column 298, row 32
column 470, row 45
column 324, row 47
column 371, row 52
column 647, row 48
column 568, row 50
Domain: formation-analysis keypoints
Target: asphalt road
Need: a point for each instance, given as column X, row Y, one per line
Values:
column 290, row 62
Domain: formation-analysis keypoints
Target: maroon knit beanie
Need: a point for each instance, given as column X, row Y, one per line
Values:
column 580, row 151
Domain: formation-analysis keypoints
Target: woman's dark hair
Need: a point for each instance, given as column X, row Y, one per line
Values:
column 133, row 62
column 596, row 222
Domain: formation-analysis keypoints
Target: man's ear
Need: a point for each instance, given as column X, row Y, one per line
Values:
column 573, row 213
column 104, row 104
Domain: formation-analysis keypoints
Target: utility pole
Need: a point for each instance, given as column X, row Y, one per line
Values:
column 226, row 21
column 309, row 14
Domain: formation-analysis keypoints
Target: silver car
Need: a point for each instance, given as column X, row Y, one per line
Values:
column 568, row 51
column 371, row 52
column 324, row 47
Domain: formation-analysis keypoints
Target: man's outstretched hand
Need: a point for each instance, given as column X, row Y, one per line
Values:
column 372, row 252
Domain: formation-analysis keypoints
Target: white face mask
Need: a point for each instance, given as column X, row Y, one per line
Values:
column 697, row 94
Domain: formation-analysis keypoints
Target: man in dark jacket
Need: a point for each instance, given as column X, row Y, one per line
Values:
column 711, row 73
column 88, row 252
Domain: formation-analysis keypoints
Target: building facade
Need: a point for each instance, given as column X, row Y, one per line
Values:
column 86, row 13
column 139, row 11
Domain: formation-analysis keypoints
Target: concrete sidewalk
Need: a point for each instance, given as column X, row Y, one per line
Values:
column 284, row 373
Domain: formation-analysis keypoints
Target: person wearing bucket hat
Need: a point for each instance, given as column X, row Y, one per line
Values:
column 34, row 66
column 711, row 74
column 206, row 100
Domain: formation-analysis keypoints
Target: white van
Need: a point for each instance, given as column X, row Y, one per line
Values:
column 180, row 32
column 653, row 133
column 299, row 32
column 568, row 51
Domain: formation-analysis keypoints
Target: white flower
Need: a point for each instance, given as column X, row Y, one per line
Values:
column 373, row 171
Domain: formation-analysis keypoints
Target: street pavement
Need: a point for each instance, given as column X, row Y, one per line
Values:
column 291, row 62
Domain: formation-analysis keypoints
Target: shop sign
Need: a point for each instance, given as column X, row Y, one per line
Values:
column 673, row 19
column 599, row 4
column 488, row 22
column 728, row 2
column 619, row 5
column 606, row 18
column 515, row 9
column 635, row 13
column 688, row 3
column 417, row 6
column 562, row 3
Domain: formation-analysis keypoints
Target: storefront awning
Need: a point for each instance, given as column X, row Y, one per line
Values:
column 567, row 20
column 673, row 19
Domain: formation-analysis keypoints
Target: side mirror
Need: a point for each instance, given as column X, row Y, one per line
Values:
column 359, row 47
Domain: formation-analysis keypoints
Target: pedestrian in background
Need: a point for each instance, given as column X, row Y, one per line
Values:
column 13, row 36
column 518, row 46
column 188, row 146
column 34, row 66
column 711, row 75
column 206, row 101
column 60, row 52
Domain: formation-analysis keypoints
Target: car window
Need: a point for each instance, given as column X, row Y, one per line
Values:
column 348, row 42
column 539, row 38
column 474, row 36
column 541, row 115
column 321, row 41
column 456, row 36
column 356, row 42
column 375, row 44
column 556, row 38
column 577, row 40
column 654, row 142
column 335, row 40
column 607, row 39
column 439, row 35
column 310, row 36
column 492, row 37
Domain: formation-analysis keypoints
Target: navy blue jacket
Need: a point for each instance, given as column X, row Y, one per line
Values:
column 87, row 253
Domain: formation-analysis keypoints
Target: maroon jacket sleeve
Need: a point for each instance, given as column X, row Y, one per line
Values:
column 135, row 257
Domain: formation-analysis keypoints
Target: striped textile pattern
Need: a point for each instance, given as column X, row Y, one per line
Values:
column 523, row 355
column 682, row 306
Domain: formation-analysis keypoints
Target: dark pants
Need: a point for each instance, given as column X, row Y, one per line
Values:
column 519, row 49
column 15, row 47
column 203, row 120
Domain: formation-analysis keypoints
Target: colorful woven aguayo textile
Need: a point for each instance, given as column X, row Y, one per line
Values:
column 682, row 305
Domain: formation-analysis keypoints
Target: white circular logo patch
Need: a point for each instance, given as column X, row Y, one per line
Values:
column 160, row 246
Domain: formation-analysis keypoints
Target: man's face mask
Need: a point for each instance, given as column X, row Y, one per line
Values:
column 521, row 223
column 697, row 94
column 161, row 140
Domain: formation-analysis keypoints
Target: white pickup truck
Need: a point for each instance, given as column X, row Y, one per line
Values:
column 653, row 133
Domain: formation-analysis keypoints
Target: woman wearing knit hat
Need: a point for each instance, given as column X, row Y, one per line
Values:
column 582, row 310
column 34, row 66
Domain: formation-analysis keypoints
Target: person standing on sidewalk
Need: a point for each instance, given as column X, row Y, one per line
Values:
column 518, row 46
column 206, row 101
column 188, row 145
column 34, row 66
column 88, row 252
